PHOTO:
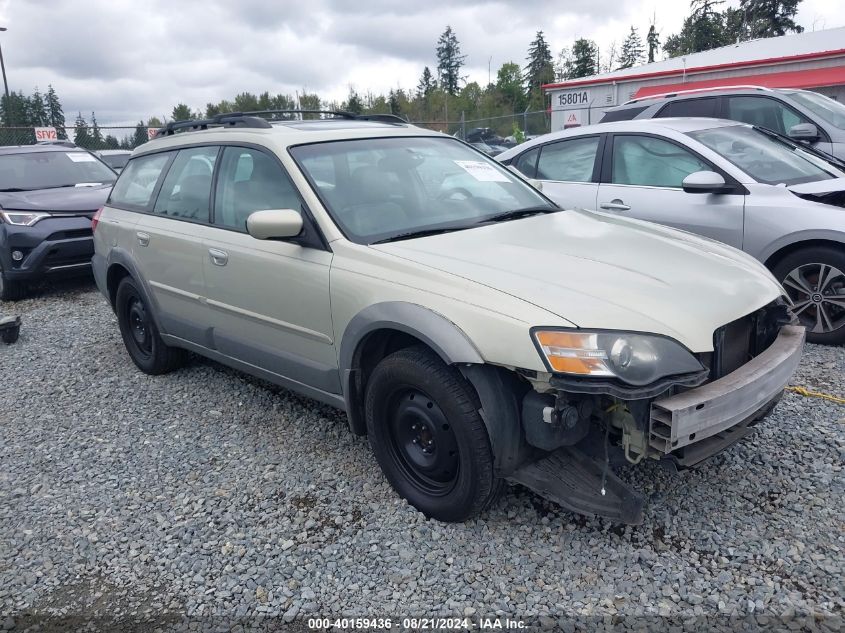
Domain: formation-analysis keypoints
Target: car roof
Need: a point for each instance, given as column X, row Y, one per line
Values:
column 703, row 92
column 289, row 133
column 669, row 124
column 113, row 152
column 39, row 147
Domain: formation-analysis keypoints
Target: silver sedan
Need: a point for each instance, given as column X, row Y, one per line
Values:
column 736, row 183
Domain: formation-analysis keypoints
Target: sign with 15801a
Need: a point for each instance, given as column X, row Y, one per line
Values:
column 573, row 99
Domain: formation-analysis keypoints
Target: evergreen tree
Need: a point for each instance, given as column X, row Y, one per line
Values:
column 309, row 102
column 426, row 85
column 55, row 112
column 563, row 65
column 584, row 59
column 632, row 50
column 702, row 30
column 15, row 110
column 82, row 135
column 393, row 102
column 96, row 134
column 38, row 115
column 140, row 136
column 353, row 103
column 181, row 113
column 111, row 142
column 540, row 69
column 449, row 61
column 246, row 102
column 770, row 18
column 653, row 42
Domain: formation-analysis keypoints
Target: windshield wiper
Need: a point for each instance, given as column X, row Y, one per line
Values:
column 14, row 189
column 421, row 233
column 516, row 214
column 793, row 145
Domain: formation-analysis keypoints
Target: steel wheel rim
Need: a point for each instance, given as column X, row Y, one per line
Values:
column 818, row 294
column 422, row 443
column 139, row 327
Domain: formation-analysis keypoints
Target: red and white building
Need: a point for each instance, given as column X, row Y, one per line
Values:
column 811, row 60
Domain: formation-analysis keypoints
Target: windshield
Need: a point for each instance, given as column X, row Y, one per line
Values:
column 46, row 170
column 379, row 189
column 824, row 107
column 115, row 161
column 764, row 158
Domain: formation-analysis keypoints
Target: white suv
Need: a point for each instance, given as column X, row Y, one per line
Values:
column 473, row 329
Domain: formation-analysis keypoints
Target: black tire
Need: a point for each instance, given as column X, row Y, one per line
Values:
column 428, row 437
column 140, row 334
column 11, row 289
column 820, row 309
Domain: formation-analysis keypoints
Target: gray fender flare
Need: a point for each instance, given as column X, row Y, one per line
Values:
column 121, row 257
column 442, row 335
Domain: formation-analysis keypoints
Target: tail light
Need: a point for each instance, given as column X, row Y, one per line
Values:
column 96, row 219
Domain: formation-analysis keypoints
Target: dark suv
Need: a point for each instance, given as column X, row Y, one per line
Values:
column 802, row 115
column 48, row 195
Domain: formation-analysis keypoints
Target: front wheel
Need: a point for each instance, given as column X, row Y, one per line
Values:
column 814, row 278
column 428, row 437
column 140, row 334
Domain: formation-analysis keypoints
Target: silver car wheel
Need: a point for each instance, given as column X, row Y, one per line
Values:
column 818, row 294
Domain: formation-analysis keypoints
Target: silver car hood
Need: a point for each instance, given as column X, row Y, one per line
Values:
column 819, row 186
column 602, row 271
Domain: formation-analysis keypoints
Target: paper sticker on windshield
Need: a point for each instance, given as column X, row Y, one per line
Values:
column 81, row 157
column 482, row 171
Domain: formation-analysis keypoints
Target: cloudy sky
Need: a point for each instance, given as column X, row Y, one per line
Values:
column 130, row 59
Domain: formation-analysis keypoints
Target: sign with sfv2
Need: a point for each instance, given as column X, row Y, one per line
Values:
column 573, row 99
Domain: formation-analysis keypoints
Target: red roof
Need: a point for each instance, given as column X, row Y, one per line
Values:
column 815, row 78
column 606, row 79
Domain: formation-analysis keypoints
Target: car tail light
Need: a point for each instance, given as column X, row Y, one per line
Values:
column 96, row 219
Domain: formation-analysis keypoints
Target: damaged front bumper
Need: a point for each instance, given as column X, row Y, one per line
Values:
column 685, row 428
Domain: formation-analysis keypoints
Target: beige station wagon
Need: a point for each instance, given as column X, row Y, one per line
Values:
column 473, row 329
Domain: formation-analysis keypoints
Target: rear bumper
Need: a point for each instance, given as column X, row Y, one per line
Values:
column 53, row 246
column 710, row 412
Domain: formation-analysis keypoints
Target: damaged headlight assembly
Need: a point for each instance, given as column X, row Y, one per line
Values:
column 633, row 358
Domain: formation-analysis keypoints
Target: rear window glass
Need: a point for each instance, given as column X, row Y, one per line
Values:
column 623, row 114
column 138, row 180
column 690, row 107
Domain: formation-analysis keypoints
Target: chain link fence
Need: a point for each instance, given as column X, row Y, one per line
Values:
column 107, row 137
column 514, row 127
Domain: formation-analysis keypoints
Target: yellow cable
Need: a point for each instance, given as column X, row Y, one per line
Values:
column 803, row 391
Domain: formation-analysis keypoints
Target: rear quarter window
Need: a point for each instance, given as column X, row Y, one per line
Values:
column 137, row 182
column 623, row 114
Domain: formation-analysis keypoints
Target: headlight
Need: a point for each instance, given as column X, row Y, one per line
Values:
column 23, row 218
column 637, row 359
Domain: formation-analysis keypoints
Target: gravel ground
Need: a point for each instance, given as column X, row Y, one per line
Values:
column 208, row 496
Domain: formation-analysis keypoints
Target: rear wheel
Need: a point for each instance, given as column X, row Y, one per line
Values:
column 428, row 437
column 10, row 290
column 140, row 334
column 814, row 278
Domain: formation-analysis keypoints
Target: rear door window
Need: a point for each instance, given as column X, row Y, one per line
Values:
column 137, row 182
column 690, row 107
column 571, row 160
column 186, row 192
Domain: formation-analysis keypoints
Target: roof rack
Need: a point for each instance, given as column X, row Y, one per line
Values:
column 675, row 93
column 256, row 119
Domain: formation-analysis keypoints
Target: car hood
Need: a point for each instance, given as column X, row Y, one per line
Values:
column 605, row 272
column 819, row 186
column 63, row 199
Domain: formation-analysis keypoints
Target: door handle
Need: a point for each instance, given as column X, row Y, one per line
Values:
column 143, row 238
column 218, row 257
column 615, row 205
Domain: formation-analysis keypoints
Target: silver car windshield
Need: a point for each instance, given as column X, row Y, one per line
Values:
column 762, row 157
column 401, row 187
column 49, row 170
column 823, row 107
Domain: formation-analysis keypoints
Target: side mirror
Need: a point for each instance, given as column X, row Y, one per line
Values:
column 537, row 184
column 274, row 224
column 706, row 182
column 804, row 132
